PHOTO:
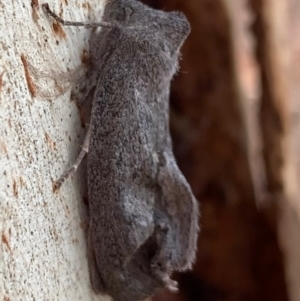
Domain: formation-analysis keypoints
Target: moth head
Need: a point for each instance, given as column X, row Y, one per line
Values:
column 168, row 28
column 175, row 28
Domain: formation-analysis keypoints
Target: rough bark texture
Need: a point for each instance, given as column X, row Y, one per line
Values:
column 43, row 246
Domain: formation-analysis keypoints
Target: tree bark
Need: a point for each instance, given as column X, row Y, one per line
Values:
column 273, row 53
column 43, row 246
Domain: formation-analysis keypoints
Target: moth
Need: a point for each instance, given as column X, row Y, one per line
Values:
column 143, row 214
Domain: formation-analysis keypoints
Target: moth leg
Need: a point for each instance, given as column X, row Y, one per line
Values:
column 160, row 262
column 71, row 23
column 95, row 277
column 83, row 93
column 72, row 170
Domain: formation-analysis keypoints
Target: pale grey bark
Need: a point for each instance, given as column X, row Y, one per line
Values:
column 43, row 245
